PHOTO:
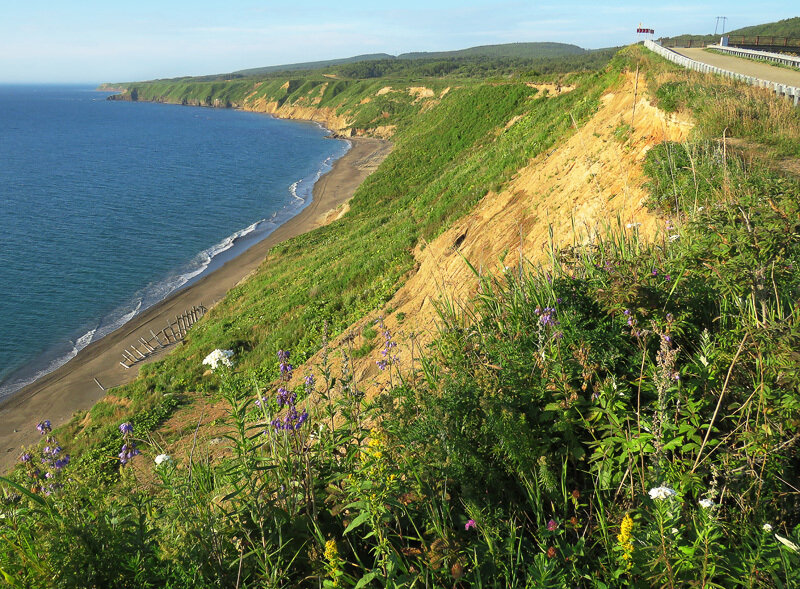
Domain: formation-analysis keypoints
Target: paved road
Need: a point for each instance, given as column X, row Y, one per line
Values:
column 744, row 66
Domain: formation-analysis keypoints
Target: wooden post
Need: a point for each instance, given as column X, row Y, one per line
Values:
column 98, row 384
column 125, row 366
column 129, row 357
column 135, row 349
column 146, row 345
column 155, row 337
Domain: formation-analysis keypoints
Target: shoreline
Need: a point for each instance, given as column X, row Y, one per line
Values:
column 71, row 388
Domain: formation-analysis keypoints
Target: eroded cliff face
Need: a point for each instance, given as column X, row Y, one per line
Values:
column 587, row 183
column 323, row 115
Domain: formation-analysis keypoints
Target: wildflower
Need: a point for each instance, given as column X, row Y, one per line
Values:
column 624, row 537
column 552, row 525
column 44, row 427
column 333, row 562
column 551, row 552
column 128, row 451
column 217, row 357
column 674, row 237
column 633, row 225
column 285, row 397
column 766, row 527
column 61, row 462
column 706, row 503
column 284, row 366
column 162, row 458
column 469, row 525
column 309, row 381
column 654, row 272
column 26, row 457
column 661, row 493
column 547, row 316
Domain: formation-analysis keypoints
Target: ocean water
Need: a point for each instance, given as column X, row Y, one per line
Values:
column 107, row 207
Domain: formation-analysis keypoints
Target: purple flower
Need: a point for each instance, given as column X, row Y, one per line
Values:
column 547, row 316
column 285, row 397
column 469, row 525
column 127, row 452
column 309, row 381
column 26, row 457
column 126, row 428
column 552, row 525
column 44, row 426
column 654, row 272
column 61, row 462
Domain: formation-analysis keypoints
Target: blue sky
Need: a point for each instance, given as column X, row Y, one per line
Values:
column 91, row 41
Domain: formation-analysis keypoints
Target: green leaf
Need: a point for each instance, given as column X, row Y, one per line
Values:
column 365, row 579
column 32, row 496
column 360, row 519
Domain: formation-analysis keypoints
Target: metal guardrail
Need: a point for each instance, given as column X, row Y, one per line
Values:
column 791, row 92
column 765, row 55
column 767, row 40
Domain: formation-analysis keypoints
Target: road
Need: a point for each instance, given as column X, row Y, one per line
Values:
column 748, row 67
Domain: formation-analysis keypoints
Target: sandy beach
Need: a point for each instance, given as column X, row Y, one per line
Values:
column 72, row 387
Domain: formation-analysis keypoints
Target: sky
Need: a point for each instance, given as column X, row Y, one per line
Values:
column 91, row 41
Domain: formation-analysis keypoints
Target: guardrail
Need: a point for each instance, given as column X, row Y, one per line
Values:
column 767, row 40
column 765, row 55
column 790, row 92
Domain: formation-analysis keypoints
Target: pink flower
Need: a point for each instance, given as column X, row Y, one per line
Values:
column 469, row 525
column 552, row 525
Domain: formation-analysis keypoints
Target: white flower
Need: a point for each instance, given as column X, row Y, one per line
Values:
column 633, row 225
column 706, row 503
column 661, row 493
column 674, row 237
column 217, row 357
column 766, row 528
column 162, row 458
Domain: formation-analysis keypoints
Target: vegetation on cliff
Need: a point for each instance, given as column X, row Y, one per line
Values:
column 625, row 415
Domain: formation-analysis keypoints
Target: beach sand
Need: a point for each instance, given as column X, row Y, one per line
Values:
column 72, row 388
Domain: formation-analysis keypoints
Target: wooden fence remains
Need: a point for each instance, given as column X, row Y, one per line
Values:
column 174, row 332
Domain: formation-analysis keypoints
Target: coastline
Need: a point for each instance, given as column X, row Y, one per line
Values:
column 71, row 388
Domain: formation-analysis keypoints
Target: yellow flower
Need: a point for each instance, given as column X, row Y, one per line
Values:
column 331, row 551
column 624, row 538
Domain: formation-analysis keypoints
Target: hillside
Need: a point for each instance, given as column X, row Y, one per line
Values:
column 789, row 27
column 551, row 341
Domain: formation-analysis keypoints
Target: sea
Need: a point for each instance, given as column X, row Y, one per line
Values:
column 108, row 207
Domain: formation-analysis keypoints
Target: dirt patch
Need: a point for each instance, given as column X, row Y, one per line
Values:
column 384, row 90
column 552, row 89
column 420, row 93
